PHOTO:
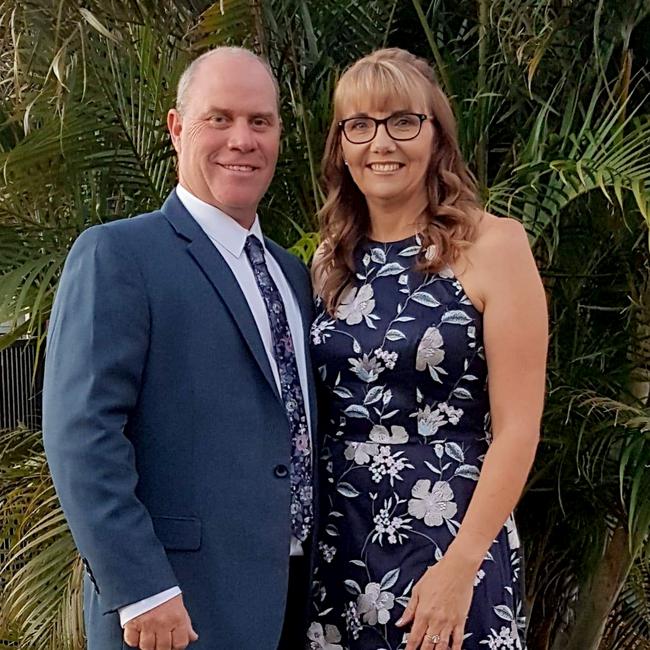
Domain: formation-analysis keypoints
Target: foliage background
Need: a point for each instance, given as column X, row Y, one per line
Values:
column 551, row 97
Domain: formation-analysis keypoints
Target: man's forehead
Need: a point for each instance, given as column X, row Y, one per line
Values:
column 233, row 65
column 225, row 58
column 236, row 74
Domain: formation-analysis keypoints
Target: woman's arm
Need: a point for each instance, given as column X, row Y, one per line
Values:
column 515, row 324
column 515, row 335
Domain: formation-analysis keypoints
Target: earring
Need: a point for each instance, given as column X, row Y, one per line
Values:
column 345, row 162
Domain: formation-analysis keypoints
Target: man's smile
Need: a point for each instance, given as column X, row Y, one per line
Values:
column 246, row 169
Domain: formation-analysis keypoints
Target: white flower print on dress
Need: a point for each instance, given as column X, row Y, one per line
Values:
column 352, row 620
column 452, row 413
column 366, row 368
column 513, row 535
column 328, row 552
column 360, row 452
column 324, row 639
column 431, row 252
column 446, row 272
column 397, row 435
column 356, row 305
column 384, row 463
column 374, row 605
column 389, row 358
column 386, row 524
column 430, row 421
column 430, row 353
column 502, row 639
column 320, row 330
column 433, row 504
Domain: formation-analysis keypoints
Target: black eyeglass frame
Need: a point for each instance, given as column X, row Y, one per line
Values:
column 421, row 116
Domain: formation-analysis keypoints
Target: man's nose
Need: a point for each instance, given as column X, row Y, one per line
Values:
column 241, row 136
column 382, row 142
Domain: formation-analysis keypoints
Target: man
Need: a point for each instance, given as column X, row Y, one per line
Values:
column 178, row 399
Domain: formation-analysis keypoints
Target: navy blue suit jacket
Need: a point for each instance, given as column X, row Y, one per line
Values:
column 165, row 433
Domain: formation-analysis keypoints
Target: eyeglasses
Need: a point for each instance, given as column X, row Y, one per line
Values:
column 399, row 126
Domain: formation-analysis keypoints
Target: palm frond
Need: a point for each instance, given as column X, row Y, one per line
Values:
column 628, row 627
column 40, row 571
column 609, row 152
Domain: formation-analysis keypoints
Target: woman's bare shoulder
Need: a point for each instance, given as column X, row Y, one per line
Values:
column 500, row 249
column 499, row 231
column 499, row 241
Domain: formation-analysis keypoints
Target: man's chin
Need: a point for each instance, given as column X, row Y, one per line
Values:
column 242, row 209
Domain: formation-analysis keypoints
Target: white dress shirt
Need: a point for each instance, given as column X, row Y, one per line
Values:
column 229, row 238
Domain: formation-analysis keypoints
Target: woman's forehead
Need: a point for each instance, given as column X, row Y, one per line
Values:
column 381, row 100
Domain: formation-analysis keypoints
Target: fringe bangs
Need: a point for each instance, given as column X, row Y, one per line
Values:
column 379, row 86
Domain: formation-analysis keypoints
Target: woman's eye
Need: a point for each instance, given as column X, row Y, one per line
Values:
column 360, row 125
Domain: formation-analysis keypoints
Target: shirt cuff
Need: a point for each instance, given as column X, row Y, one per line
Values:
column 136, row 609
column 296, row 549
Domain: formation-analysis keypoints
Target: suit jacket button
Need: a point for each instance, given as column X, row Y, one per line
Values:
column 281, row 471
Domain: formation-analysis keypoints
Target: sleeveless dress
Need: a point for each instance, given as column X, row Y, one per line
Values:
column 406, row 421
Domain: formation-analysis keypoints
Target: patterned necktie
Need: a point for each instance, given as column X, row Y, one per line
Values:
column 285, row 357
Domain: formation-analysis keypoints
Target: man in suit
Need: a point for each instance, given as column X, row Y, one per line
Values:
column 178, row 400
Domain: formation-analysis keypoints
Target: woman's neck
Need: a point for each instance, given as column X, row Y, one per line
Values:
column 392, row 222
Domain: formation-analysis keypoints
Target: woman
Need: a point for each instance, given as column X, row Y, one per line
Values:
column 421, row 293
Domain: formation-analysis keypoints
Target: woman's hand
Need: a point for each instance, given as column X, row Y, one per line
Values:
column 439, row 605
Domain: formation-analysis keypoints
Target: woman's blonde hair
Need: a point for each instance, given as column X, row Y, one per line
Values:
column 384, row 78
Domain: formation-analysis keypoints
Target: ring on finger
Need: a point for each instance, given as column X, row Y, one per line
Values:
column 434, row 638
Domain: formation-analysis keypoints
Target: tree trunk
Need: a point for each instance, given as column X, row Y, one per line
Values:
column 598, row 596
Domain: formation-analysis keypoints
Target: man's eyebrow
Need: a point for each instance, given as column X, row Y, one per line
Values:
column 229, row 112
column 217, row 109
column 269, row 115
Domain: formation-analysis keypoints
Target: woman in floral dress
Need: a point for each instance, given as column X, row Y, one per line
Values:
column 421, row 293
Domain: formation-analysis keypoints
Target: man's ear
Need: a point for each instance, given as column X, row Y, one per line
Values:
column 281, row 139
column 175, row 126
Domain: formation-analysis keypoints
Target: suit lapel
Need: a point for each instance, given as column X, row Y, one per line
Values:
column 216, row 269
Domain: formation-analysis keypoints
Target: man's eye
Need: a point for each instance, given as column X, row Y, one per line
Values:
column 218, row 119
column 261, row 123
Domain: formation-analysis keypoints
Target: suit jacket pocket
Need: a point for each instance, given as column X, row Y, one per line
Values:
column 178, row 533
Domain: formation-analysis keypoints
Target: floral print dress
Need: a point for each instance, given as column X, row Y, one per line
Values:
column 406, row 427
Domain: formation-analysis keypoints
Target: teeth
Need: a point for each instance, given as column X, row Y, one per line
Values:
column 239, row 168
column 384, row 167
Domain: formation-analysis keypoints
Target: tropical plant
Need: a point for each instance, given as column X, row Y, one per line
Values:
column 40, row 556
column 551, row 100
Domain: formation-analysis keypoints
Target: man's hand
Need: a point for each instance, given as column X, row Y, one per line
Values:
column 166, row 627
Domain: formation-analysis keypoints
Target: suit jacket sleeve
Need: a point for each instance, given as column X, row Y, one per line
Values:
column 96, row 353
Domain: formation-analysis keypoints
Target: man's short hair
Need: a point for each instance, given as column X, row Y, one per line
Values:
column 186, row 78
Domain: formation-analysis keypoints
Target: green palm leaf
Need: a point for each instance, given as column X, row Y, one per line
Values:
column 609, row 153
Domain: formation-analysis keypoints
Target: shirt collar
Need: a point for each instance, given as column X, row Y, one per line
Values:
column 217, row 225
